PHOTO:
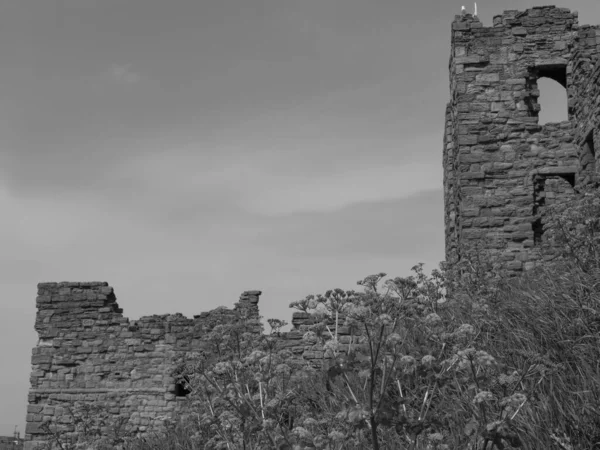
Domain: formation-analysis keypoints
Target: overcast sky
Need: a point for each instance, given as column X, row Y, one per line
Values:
column 188, row 150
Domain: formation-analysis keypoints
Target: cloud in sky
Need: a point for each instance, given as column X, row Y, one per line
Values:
column 283, row 195
column 410, row 226
column 256, row 183
column 124, row 74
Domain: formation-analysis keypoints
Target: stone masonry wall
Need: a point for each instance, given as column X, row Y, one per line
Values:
column 586, row 108
column 88, row 352
column 501, row 166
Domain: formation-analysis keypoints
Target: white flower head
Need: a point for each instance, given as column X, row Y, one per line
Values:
column 484, row 358
column 483, row 396
column 407, row 361
column 332, row 345
column 337, row 436
column 465, row 331
column 427, row 360
column 302, row 433
column 394, row 339
column 385, row 319
column 432, row 319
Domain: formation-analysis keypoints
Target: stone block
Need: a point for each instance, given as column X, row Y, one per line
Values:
column 34, row 428
column 467, row 140
column 487, row 79
column 461, row 26
column 514, row 265
column 516, row 82
column 472, row 175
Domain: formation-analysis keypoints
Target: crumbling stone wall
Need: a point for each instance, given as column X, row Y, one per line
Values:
column 501, row 166
column 89, row 352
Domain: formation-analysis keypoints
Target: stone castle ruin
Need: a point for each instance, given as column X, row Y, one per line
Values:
column 88, row 352
column 501, row 169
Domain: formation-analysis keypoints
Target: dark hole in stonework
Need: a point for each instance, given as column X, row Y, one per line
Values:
column 557, row 73
column 538, row 231
column 568, row 177
column 587, row 159
column 181, row 389
column 477, row 65
column 589, row 140
column 539, row 196
column 589, row 147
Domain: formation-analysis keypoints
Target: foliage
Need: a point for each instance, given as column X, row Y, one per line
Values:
column 574, row 228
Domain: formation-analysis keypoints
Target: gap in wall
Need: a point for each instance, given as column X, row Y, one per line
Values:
column 553, row 101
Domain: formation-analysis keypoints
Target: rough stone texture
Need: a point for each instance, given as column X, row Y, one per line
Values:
column 501, row 167
column 87, row 351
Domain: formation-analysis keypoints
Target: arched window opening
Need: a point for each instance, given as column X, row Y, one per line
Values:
column 552, row 101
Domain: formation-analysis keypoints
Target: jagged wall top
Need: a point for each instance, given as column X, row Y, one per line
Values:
column 88, row 352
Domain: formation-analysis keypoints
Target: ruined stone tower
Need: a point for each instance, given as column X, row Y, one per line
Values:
column 501, row 167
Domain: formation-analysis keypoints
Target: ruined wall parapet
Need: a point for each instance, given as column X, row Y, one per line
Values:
column 88, row 352
column 312, row 352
